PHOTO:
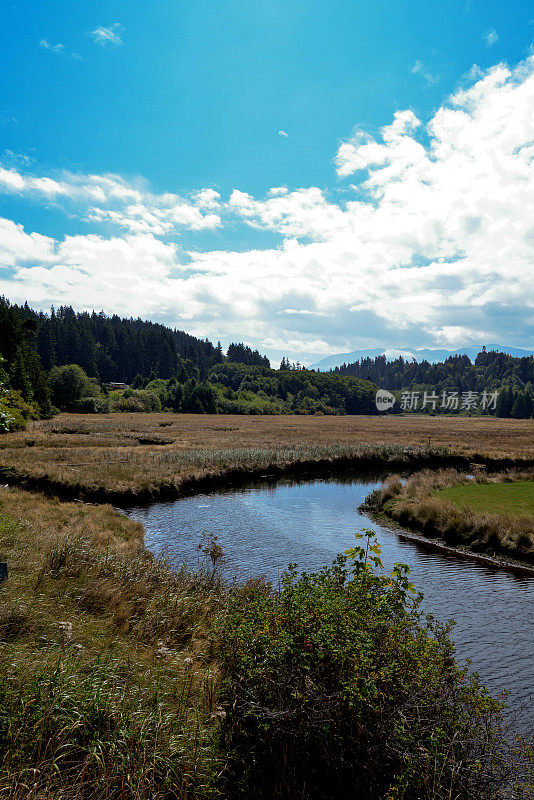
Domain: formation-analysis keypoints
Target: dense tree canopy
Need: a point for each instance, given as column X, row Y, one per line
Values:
column 171, row 370
column 512, row 377
column 21, row 370
column 245, row 355
column 114, row 349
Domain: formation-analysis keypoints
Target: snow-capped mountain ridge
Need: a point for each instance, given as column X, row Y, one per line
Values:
column 408, row 353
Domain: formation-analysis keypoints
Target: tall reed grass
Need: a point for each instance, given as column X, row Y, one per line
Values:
column 106, row 667
column 150, row 453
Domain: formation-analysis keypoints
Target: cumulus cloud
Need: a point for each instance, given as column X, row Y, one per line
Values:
column 283, row 133
column 207, row 198
column 11, row 180
column 108, row 37
column 18, row 247
column 430, row 241
column 301, row 213
column 397, row 146
column 112, row 199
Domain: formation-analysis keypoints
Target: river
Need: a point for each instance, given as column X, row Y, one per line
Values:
column 265, row 526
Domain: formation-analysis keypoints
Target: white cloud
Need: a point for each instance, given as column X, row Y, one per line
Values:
column 10, row 180
column 59, row 50
column 283, row 133
column 207, row 198
column 159, row 221
column 110, row 198
column 18, row 247
column 398, row 147
column 418, row 68
column 491, row 37
column 54, row 48
column 433, row 245
column 304, row 212
column 10, row 157
column 108, row 37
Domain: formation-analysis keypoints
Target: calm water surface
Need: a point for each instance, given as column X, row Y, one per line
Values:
column 264, row 527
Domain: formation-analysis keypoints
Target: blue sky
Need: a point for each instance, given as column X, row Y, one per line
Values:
column 211, row 165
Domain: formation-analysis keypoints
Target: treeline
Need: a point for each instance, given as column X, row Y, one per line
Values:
column 512, row 378
column 64, row 360
column 242, row 389
column 113, row 349
column 242, row 354
column 230, row 389
column 24, row 389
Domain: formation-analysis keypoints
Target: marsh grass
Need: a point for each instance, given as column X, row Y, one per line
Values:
column 422, row 503
column 148, row 471
column 99, row 730
column 106, row 674
column 120, row 453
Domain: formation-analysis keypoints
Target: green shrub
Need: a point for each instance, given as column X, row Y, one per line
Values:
column 137, row 400
column 91, row 405
column 337, row 688
column 67, row 385
column 15, row 411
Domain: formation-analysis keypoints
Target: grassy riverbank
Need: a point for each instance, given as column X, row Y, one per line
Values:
column 489, row 514
column 137, row 455
column 515, row 498
column 121, row 679
column 106, row 681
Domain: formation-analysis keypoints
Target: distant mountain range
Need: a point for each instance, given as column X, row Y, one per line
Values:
column 410, row 353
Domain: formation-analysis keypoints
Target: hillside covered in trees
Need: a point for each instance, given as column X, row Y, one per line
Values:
column 24, row 388
column 75, row 357
column 512, row 378
column 70, row 361
column 115, row 349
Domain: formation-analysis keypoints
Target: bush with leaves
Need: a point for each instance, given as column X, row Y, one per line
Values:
column 6, row 417
column 92, row 405
column 15, row 411
column 336, row 687
column 137, row 400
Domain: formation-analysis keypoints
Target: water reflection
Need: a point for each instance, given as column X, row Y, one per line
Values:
column 270, row 524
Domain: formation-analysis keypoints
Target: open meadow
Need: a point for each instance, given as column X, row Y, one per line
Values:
column 149, row 453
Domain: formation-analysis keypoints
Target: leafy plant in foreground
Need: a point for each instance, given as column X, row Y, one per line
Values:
column 335, row 686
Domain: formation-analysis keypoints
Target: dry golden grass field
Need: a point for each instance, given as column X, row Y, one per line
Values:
column 150, row 452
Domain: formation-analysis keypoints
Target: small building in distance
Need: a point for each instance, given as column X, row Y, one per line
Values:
column 117, row 386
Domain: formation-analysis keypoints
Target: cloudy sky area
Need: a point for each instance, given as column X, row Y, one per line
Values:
column 308, row 178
